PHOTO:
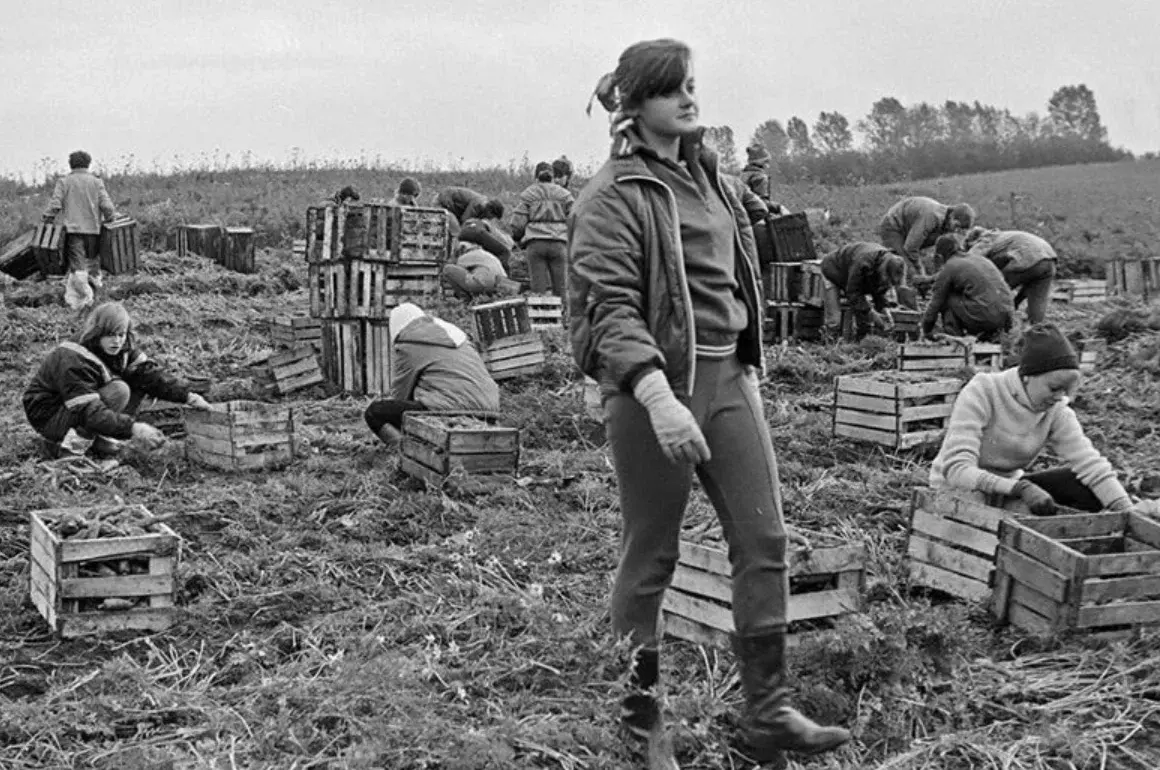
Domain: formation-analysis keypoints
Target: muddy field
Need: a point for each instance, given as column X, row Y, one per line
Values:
column 339, row 614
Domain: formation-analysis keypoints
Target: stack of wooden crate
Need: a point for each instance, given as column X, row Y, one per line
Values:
column 230, row 247
column 899, row 410
column 793, row 283
column 365, row 259
column 508, row 344
column 1134, row 277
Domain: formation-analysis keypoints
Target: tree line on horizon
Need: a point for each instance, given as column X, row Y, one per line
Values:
column 922, row 141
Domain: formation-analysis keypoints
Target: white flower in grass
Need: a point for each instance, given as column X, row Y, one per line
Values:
column 536, row 590
column 555, row 559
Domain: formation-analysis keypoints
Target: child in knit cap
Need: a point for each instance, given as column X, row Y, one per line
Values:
column 407, row 193
column 1002, row 421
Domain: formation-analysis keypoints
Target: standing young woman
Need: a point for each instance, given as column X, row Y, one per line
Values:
column 666, row 315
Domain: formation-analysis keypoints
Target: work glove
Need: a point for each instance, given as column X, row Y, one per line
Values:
column 147, row 437
column 676, row 429
column 1036, row 498
column 880, row 321
column 196, row 401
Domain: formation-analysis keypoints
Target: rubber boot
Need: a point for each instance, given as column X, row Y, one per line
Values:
column 641, row 715
column 771, row 726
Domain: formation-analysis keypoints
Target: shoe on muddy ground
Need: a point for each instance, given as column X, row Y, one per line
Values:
column 104, row 448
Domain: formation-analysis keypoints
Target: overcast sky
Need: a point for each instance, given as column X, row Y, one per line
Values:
column 470, row 82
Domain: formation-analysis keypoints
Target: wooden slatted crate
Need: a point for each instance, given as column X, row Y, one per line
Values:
column 205, row 241
column 793, row 241
column 1091, row 572
column 953, row 539
column 783, row 281
column 931, row 357
column 295, row 369
column 1091, row 351
column 825, row 584
column 505, row 318
column 813, row 283
column 84, row 586
column 287, row 331
column 48, row 246
column 1079, row 291
column 368, row 289
column 238, row 252
column 166, row 416
column 18, row 258
column 241, row 435
column 545, row 312
column 438, row 444
column 336, row 232
column 1134, row 277
column 899, row 410
column 986, row 357
column 515, row 356
column 907, row 324
column 356, row 355
column 120, row 247
column 419, row 235
column 792, row 321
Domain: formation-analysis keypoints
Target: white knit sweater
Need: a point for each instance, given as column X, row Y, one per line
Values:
column 994, row 435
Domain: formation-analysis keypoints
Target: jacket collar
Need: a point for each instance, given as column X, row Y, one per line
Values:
column 629, row 151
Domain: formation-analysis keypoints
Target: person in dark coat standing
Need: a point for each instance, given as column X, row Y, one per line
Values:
column 969, row 293
column 862, row 273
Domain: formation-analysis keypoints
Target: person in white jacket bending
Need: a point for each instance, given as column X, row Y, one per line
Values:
column 1002, row 421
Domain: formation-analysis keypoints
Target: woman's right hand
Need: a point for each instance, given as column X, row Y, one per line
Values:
column 1036, row 498
column 675, row 426
column 147, row 436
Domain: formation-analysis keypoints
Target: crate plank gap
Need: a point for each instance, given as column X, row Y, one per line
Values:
column 545, row 312
column 825, row 583
column 356, row 355
column 60, row 590
column 48, row 247
column 420, row 235
column 1134, row 277
column 786, row 321
column 238, row 252
column 286, row 331
column 120, row 247
column 508, row 345
column 241, row 435
column 295, row 369
column 377, row 232
column 206, row 241
column 953, row 539
column 783, row 281
column 436, row 445
column 364, row 289
column 899, row 410
column 1092, row 572
column 1079, row 291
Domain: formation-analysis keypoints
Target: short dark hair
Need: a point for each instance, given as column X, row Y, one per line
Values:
column 79, row 159
column 493, row 209
column 651, row 68
column 543, row 172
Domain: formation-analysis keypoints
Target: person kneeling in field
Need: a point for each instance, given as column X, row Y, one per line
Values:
column 969, row 293
column 434, row 367
column 1002, row 421
column 856, row 271
column 476, row 272
column 1027, row 262
column 486, row 232
column 86, row 391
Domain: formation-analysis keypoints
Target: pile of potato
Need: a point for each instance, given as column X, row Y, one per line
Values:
column 105, row 521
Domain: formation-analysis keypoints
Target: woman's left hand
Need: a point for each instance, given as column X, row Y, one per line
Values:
column 197, row 402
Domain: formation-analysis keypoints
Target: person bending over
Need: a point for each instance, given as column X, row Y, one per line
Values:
column 914, row 224
column 862, row 273
column 1028, row 264
column 970, row 295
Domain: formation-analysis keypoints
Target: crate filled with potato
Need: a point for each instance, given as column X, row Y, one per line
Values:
column 899, row 410
column 241, row 435
column 102, row 568
column 438, row 444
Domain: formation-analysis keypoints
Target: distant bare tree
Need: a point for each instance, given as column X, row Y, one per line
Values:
column 799, row 137
column 720, row 138
column 773, row 136
column 832, row 132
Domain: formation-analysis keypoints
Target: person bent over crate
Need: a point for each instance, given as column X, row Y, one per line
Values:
column 540, row 224
column 86, row 391
column 666, row 315
column 857, row 271
column 1027, row 261
column 1002, row 421
column 83, row 203
column 477, row 272
column 434, row 366
column 914, row 224
column 970, row 295
column 486, row 231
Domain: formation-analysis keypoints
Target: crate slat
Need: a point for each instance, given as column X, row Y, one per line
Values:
column 241, row 435
column 445, row 442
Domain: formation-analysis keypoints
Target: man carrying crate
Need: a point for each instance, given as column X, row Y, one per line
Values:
column 83, row 202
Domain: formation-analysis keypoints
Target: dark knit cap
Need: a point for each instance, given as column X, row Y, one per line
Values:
column 1046, row 349
column 561, row 166
column 946, row 246
column 409, row 186
column 543, row 168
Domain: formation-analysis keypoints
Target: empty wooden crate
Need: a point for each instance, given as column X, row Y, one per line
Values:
column 419, row 235
column 783, row 281
column 1091, row 572
column 238, row 253
column 356, row 355
column 508, row 345
column 792, row 321
column 359, row 288
column 48, row 246
column 825, row 583
column 205, row 241
column 545, row 312
column 1079, row 291
column 241, row 435
column 120, row 247
column 114, row 576
column 377, row 232
column 793, row 241
column 896, row 409
column 294, row 369
column 438, row 444
column 288, row 331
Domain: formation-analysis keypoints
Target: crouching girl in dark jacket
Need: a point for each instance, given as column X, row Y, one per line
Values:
column 666, row 315
column 86, row 391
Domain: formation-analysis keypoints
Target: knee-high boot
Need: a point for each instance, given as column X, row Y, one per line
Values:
column 771, row 726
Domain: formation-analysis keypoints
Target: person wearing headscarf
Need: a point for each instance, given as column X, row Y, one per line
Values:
column 913, row 224
column 540, row 223
column 433, row 367
column 666, row 314
column 1028, row 264
column 969, row 294
column 1003, row 421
